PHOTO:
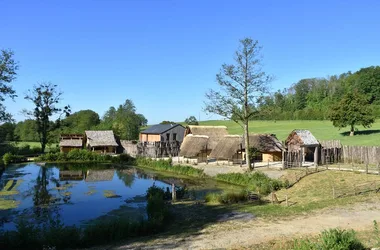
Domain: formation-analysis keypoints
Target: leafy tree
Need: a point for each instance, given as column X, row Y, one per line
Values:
column 45, row 98
column 7, row 131
column 8, row 68
column 191, row 120
column 80, row 121
column 354, row 109
column 167, row 122
column 241, row 86
column 124, row 121
column 26, row 131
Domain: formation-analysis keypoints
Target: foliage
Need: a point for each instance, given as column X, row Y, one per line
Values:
column 124, row 121
column 80, row 121
column 165, row 165
column 241, row 86
column 156, row 208
column 7, row 132
column 45, row 97
column 167, row 122
column 332, row 239
column 11, row 158
column 191, row 120
column 353, row 109
column 256, row 181
column 376, row 231
column 76, row 155
column 227, row 197
column 8, row 68
column 26, row 131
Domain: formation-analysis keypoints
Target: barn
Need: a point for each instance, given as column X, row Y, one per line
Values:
column 304, row 142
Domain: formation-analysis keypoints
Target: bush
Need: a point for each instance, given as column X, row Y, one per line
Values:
column 333, row 239
column 76, row 155
column 256, row 181
column 156, row 208
column 227, row 197
column 10, row 158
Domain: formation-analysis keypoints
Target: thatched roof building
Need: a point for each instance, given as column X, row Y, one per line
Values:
column 214, row 133
column 232, row 146
column 101, row 141
column 227, row 147
column 304, row 142
column 193, row 145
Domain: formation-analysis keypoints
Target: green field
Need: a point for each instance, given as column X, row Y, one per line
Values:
column 322, row 130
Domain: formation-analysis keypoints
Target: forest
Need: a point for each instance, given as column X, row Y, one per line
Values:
column 312, row 98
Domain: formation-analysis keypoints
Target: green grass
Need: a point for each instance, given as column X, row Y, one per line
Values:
column 322, row 130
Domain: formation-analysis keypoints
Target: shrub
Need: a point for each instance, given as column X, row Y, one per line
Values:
column 7, row 158
column 227, row 197
column 256, row 181
column 156, row 208
column 333, row 239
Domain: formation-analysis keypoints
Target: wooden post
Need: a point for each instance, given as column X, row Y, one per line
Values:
column 354, row 189
column 366, row 168
column 283, row 160
column 333, row 189
column 286, row 199
column 272, row 197
column 316, row 156
column 268, row 164
column 174, row 194
column 378, row 168
column 241, row 154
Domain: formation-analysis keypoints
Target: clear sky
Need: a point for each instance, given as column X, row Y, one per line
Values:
column 164, row 54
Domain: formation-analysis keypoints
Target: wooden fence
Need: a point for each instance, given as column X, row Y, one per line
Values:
column 361, row 155
column 151, row 149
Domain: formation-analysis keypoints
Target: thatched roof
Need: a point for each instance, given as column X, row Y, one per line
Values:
column 100, row 175
column 227, row 147
column 192, row 145
column 71, row 143
column 214, row 133
column 265, row 143
column 303, row 137
column 101, row 138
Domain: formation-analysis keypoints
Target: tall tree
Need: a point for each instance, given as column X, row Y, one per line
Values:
column 8, row 68
column 191, row 120
column 45, row 98
column 354, row 109
column 80, row 121
column 241, row 84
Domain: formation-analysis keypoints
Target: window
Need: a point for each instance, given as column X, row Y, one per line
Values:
column 167, row 137
column 174, row 136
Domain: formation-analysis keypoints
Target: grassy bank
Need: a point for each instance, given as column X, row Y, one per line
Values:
column 166, row 166
column 322, row 130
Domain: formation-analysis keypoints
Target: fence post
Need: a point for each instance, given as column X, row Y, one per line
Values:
column 366, row 168
column 333, row 189
column 354, row 189
column 174, row 194
column 286, row 199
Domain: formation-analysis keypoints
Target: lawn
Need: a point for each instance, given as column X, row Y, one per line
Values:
column 322, row 130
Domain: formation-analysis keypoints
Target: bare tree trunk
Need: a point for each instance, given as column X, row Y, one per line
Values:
column 246, row 138
column 352, row 132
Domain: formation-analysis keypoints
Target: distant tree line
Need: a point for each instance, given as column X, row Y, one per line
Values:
column 313, row 98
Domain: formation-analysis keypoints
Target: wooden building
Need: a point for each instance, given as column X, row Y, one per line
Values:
column 68, row 142
column 99, row 175
column 101, row 141
column 163, row 133
column 199, row 141
column 232, row 148
column 304, row 142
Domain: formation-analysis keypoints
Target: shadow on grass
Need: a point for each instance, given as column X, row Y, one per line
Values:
column 363, row 132
column 188, row 220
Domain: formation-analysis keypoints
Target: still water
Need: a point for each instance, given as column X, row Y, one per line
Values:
column 81, row 193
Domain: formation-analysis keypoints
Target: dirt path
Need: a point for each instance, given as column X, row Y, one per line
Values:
column 245, row 233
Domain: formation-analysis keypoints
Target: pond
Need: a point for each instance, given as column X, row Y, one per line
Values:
column 78, row 194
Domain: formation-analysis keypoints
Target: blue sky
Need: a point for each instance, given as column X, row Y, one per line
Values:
column 164, row 54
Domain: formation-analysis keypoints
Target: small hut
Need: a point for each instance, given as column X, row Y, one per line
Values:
column 68, row 142
column 304, row 142
column 214, row 134
column 195, row 147
column 101, row 141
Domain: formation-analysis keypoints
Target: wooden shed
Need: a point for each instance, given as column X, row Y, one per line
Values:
column 228, row 148
column 304, row 142
column 68, row 142
column 101, row 141
column 163, row 133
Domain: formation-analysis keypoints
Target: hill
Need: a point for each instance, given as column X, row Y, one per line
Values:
column 322, row 130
